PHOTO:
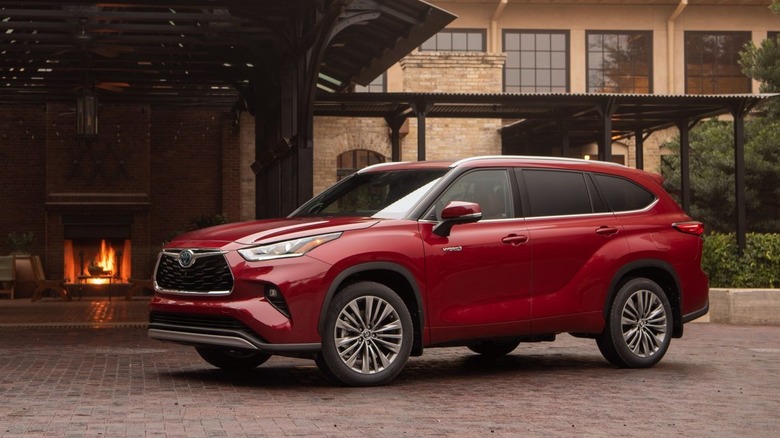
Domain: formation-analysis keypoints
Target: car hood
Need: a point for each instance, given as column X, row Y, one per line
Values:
column 268, row 230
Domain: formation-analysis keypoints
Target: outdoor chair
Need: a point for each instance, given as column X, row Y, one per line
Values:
column 7, row 276
column 43, row 285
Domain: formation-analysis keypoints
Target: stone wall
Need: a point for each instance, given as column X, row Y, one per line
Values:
column 745, row 306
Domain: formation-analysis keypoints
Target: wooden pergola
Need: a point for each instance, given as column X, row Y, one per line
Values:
column 285, row 61
column 268, row 57
column 556, row 122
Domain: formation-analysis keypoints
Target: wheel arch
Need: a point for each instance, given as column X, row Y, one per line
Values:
column 660, row 272
column 392, row 275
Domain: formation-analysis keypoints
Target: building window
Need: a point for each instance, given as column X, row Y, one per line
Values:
column 378, row 85
column 536, row 61
column 456, row 40
column 350, row 162
column 712, row 63
column 620, row 62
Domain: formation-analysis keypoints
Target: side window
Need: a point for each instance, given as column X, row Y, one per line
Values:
column 556, row 193
column 621, row 194
column 488, row 188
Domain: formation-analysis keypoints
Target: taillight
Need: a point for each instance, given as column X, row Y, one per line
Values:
column 692, row 227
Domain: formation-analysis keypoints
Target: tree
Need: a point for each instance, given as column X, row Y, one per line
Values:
column 712, row 153
column 762, row 63
column 712, row 174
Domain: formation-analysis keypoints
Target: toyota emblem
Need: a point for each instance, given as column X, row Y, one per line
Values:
column 186, row 258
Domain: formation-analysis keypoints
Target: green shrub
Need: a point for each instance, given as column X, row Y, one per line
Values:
column 758, row 267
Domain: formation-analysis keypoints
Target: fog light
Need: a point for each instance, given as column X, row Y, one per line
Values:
column 274, row 296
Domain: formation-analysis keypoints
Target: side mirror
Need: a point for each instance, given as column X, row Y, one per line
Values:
column 457, row 212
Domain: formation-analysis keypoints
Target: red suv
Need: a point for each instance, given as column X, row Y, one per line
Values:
column 485, row 252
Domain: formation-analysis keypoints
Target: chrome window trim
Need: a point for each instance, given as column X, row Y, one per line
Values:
column 570, row 216
column 605, row 213
column 481, row 221
column 641, row 210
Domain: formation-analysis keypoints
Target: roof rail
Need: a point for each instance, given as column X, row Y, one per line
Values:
column 529, row 158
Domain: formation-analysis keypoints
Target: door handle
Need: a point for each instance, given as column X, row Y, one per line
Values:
column 607, row 231
column 515, row 239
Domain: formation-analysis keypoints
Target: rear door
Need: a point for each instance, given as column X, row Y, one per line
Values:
column 574, row 243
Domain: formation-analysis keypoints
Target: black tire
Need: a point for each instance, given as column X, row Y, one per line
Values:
column 494, row 348
column 233, row 359
column 639, row 326
column 360, row 351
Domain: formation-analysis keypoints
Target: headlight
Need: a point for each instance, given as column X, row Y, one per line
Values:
column 287, row 248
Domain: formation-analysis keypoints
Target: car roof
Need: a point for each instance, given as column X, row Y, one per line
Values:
column 519, row 161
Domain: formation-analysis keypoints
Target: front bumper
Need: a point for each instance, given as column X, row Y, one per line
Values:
column 203, row 331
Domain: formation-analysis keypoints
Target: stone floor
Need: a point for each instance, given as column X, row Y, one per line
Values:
column 87, row 369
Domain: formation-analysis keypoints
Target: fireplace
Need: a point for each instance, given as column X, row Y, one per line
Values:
column 98, row 243
column 97, row 249
column 97, row 261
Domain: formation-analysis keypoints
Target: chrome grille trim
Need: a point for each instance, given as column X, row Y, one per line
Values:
column 212, row 278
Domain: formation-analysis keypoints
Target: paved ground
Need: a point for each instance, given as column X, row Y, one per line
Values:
column 87, row 369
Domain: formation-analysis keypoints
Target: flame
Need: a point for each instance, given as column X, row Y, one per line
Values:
column 89, row 263
column 106, row 258
column 104, row 264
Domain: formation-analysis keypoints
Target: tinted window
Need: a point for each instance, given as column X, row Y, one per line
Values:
column 712, row 63
column 456, row 40
column 488, row 188
column 623, row 195
column 536, row 61
column 384, row 194
column 619, row 62
column 555, row 193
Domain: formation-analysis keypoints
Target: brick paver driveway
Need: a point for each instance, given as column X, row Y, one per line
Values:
column 112, row 381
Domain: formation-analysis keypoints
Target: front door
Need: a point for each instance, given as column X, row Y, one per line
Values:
column 478, row 277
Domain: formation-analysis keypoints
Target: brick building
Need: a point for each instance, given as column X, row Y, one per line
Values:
column 569, row 46
column 153, row 170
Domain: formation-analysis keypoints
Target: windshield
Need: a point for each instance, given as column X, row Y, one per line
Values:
column 381, row 194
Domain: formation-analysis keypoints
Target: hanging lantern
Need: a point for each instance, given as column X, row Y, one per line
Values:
column 86, row 114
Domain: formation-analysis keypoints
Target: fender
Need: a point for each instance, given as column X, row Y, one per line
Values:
column 371, row 266
column 656, row 264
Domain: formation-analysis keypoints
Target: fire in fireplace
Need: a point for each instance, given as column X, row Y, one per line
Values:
column 97, row 261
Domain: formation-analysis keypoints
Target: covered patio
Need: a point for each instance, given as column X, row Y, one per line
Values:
column 550, row 124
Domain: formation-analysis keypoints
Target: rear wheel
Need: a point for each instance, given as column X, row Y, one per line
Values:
column 367, row 336
column 232, row 359
column 639, row 325
column 494, row 348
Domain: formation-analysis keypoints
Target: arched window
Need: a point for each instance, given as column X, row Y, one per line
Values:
column 350, row 162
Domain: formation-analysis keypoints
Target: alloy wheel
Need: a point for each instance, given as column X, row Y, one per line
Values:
column 368, row 334
column 644, row 323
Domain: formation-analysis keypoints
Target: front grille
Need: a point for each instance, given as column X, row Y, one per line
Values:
column 209, row 272
column 198, row 321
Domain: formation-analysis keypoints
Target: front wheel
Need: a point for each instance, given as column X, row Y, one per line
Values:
column 639, row 325
column 367, row 337
column 232, row 359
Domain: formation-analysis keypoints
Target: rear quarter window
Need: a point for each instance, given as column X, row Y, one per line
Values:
column 621, row 194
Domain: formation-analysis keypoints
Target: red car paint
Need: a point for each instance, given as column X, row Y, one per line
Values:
column 521, row 276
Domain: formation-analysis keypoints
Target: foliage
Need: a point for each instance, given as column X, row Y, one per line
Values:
column 762, row 63
column 712, row 174
column 21, row 243
column 758, row 267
